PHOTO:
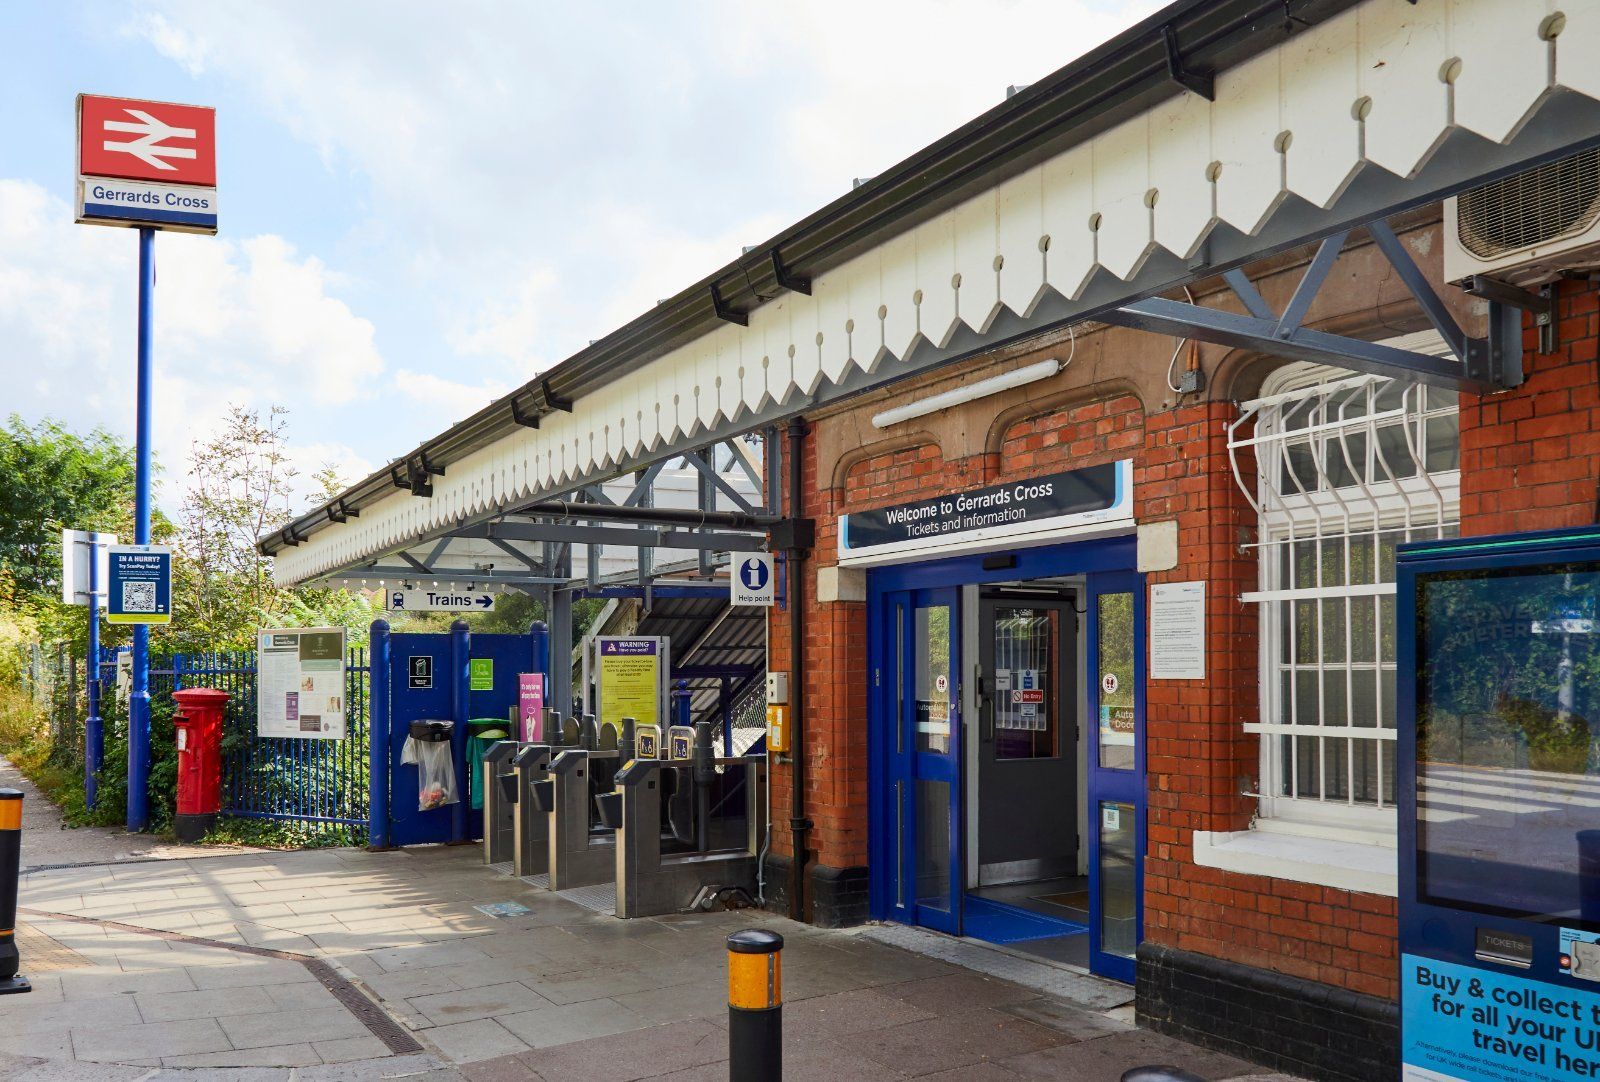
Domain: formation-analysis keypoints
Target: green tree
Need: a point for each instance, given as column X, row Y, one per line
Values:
column 240, row 487
column 54, row 479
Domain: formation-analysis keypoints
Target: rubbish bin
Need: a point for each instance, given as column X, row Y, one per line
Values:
column 428, row 746
column 482, row 734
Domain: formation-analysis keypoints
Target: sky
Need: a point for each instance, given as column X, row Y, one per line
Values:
column 424, row 205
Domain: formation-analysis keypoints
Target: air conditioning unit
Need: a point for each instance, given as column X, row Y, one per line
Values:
column 1528, row 228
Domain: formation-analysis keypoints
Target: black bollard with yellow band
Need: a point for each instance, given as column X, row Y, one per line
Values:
column 10, row 869
column 755, row 1006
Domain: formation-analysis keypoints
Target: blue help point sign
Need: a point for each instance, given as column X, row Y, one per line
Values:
column 139, row 584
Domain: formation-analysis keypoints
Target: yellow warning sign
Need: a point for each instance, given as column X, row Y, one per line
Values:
column 630, row 680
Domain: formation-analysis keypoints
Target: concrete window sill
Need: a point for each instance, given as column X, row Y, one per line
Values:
column 1364, row 867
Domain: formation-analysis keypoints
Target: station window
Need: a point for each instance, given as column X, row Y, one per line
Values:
column 1344, row 469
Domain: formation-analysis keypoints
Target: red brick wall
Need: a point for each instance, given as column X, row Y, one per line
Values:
column 1197, row 750
column 1529, row 461
column 836, row 633
column 1529, row 456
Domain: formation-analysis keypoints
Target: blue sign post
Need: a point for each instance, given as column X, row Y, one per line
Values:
column 165, row 179
column 139, row 592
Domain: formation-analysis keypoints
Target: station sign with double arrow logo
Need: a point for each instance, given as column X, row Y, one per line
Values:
column 147, row 163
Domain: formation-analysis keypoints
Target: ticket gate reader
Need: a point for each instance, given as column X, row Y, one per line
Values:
column 1497, row 792
column 579, row 855
column 652, row 881
column 530, row 825
column 499, row 801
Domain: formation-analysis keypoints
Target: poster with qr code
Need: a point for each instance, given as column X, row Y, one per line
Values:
column 138, row 584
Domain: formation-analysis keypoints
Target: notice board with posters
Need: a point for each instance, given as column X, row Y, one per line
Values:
column 631, row 677
column 300, row 689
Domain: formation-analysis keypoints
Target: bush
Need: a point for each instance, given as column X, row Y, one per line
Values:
column 111, row 805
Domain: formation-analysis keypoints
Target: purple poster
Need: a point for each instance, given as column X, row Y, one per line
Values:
column 530, row 705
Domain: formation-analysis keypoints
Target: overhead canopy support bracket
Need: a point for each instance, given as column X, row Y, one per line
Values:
column 1541, row 304
column 1478, row 365
column 732, row 315
column 526, row 420
column 788, row 279
column 553, row 400
column 413, row 481
column 1202, row 83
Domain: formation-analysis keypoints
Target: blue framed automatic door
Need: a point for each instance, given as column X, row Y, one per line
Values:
column 1498, row 780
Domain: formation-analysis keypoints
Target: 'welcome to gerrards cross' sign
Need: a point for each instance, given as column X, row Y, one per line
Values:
column 1081, row 497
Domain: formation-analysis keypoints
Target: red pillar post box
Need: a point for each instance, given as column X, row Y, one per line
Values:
column 199, row 725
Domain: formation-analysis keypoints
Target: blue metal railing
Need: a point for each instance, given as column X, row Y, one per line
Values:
column 282, row 778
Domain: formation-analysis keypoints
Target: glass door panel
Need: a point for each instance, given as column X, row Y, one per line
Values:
column 920, row 703
column 1028, row 790
column 1116, row 772
column 932, row 720
column 1118, row 732
column 1117, row 887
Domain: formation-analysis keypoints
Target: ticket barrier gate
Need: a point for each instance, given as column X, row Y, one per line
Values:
column 582, row 849
column 530, row 830
column 667, row 871
column 499, row 801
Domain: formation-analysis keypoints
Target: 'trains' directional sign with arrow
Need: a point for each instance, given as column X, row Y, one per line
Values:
column 147, row 163
column 438, row 600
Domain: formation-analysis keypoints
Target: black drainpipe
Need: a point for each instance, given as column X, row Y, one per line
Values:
column 799, row 825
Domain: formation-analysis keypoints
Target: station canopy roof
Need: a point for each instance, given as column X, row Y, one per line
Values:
column 1212, row 134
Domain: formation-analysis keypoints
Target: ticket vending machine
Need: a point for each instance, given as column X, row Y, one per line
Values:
column 1497, row 789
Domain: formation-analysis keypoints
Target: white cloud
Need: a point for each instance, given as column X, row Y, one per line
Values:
column 448, row 399
column 247, row 322
column 172, row 42
column 556, row 170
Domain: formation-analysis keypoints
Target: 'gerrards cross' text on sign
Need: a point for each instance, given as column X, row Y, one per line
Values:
column 1083, row 496
column 147, row 163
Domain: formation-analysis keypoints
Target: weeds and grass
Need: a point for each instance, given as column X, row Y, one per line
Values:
column 25, row 739
column 280, row 834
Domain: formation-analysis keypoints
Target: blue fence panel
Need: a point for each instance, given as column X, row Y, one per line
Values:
column 316, row 782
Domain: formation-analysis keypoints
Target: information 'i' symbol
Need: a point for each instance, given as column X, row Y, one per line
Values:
column 753, row 573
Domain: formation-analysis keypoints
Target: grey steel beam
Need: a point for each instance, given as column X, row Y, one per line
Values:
column 406, row 574
column 1246, row 291
column 644, row 485
column 707, row 497
column 710, row 474
column 772, row 459
column 511, row 550
column 561, row 638
column 745, row 459
column 1422, row 290
column 649, row 516
column 615, row 535
column 1294, row 313
column 1180, row 320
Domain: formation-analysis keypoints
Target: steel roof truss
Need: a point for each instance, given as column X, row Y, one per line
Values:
column 1490, row 363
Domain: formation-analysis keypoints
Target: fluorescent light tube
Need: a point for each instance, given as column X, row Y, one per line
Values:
column 1017, row 377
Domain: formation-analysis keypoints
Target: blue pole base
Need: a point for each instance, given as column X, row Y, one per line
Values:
column 15, row 986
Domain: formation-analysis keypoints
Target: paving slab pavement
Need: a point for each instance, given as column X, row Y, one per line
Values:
column 209, row 968
column 47, row 841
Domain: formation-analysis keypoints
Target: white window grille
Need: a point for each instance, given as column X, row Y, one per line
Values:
column 1340, row 469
